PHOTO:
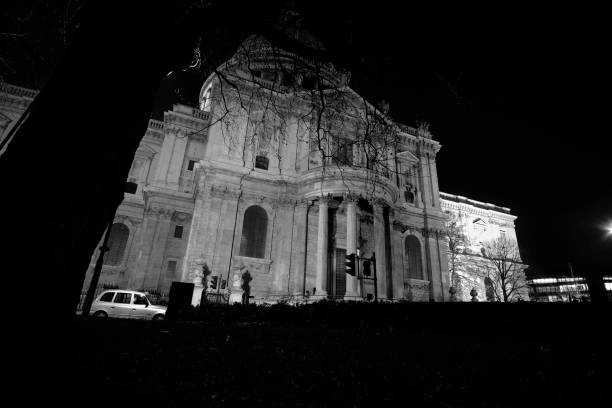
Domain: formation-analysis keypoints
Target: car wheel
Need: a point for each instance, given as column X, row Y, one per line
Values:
column 158, row 317
column 100, row 313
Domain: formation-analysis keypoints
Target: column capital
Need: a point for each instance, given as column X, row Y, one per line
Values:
column 350, row 198
column 378, row 202
column 325, row 199
column 302, row 203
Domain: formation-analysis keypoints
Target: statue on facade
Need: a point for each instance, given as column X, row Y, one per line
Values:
column 205, row 274
column 246, row 287
column 409, row 193
column 453, row 294
column 474, row 295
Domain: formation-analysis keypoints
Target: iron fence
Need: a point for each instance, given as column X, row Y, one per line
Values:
column 99, row 289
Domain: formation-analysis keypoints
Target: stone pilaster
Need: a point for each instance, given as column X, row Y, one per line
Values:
column 431, row 160
column 225, row 235
column 322, row 241
column 282, row 241
column 197, row 235
column 352, row 283
column 156, row 266
column 435, row 270
column 149, row 226
column 380, row 249
column 298, row 249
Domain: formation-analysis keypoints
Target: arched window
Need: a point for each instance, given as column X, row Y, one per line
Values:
column 413, row 257
column 254, row 231
column 116, row 244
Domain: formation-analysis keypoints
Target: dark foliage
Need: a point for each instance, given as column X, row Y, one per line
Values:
column 347, row 354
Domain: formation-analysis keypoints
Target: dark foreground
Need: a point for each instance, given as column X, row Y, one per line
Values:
column 450, row 355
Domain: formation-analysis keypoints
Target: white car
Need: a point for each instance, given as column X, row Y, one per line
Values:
column 126, row 304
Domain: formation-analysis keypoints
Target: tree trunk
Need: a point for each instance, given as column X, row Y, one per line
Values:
column 64, row 172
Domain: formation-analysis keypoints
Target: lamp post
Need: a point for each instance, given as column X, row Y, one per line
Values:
column 130, row 187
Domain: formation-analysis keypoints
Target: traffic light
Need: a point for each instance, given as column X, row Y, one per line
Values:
column 366, row 267
column 350, row 264
column 213, row 282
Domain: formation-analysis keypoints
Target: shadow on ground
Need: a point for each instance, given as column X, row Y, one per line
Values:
column 446, row 355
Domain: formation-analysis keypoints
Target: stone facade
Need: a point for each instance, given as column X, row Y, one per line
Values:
column 246, row 195
column 478, row 223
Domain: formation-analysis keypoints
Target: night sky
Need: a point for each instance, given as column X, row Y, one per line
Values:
column 517, row 96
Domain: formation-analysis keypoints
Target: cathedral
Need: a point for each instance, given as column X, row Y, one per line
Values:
column 281, row 172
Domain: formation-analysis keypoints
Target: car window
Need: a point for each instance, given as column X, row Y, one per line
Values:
column 107, row 297
column 140, row 299
column 123, row 297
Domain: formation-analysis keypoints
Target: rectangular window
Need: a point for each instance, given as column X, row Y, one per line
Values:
column 171, row 267
column 178, row 231
column 261, row 162
column 344, row 153
column 191, row 165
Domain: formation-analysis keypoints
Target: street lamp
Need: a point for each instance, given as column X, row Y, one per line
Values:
column 130, row 187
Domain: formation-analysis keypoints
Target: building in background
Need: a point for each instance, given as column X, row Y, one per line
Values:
column 564, row 289
column 473, row 225
column 284, row 195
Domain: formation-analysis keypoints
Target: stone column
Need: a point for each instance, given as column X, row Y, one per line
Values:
column 352, row 283
column 380, row 249
column 298, row 264
column 322, row 242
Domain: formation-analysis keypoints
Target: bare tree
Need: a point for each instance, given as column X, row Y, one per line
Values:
column 504, row 268
column 273, row 88
column 460, row 264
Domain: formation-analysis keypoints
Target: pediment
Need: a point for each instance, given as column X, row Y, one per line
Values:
column 480, row 221
column 407, row 155
column 5, row 119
